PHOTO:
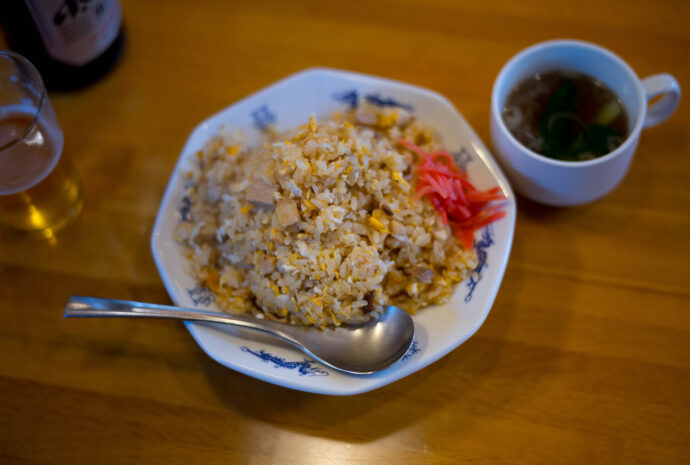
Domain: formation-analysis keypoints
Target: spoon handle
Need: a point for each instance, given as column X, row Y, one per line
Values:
column 80, row 306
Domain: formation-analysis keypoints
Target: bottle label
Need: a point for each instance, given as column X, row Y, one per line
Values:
column 76, row 31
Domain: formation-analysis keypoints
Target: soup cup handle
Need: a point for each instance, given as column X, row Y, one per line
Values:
column 667, row 87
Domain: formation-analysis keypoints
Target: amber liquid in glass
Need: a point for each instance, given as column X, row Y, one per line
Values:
column 38, row 186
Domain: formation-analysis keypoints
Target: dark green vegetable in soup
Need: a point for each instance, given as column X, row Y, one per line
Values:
column 566, row 115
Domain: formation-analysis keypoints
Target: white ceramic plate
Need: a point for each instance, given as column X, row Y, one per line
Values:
column 287, row 104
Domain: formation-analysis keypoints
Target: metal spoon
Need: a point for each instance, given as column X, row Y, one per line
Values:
column 358, row 349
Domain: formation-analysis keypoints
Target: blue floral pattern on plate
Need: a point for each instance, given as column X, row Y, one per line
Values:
column 201, row 296
column 378, row 101
column 263, row 117
column 484, row 243
column 412, row 351
column 185, row 208
column 462, row 158
column 352, row 98
column 305, row 367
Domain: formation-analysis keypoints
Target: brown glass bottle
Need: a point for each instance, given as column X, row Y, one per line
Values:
column 72, row 42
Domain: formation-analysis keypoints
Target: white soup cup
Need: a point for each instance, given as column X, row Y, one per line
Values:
column 568, row 183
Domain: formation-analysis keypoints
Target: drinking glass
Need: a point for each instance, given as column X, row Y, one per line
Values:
column 39, row 190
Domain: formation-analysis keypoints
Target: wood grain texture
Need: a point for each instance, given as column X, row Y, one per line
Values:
column 584, row 358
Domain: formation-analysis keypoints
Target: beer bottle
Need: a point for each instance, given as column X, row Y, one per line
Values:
column 72, row 42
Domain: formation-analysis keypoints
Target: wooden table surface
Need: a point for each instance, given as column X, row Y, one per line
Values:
column 584, row 358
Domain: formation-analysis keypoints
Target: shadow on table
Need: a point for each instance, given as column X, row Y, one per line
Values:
column 468, row 383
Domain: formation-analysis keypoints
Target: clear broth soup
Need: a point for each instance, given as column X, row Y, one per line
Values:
column 566, row 115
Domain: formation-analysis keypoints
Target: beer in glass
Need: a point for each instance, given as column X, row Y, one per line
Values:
column 39, row 190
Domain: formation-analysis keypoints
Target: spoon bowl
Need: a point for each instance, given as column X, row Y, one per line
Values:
column 359, row 349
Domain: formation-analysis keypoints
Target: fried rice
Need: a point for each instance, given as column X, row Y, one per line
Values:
column 319, row 226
